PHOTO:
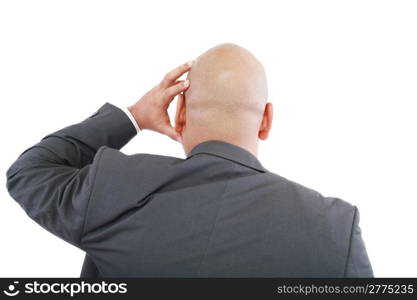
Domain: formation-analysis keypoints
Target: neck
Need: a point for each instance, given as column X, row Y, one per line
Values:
column 250, row 145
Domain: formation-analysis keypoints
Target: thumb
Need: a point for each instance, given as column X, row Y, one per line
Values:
column 172, row 133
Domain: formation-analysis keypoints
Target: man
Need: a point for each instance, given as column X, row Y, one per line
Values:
column 217, row 213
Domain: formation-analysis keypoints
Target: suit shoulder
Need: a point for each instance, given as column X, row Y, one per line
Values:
column 116, row 156
column 112, row 162
column 316, row 200
column 329, row 220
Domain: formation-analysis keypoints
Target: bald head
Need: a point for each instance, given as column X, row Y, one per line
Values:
column 227, row 94
column 228, row 83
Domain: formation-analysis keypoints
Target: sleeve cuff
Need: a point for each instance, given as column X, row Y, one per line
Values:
column 132, row 119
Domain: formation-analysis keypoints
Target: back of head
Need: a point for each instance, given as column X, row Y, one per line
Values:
column 227, row 95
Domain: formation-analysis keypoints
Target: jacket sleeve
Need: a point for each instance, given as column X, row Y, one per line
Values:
column 53, row 180
column 357, row 264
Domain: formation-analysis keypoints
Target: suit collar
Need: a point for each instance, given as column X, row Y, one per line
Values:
column 229, row 152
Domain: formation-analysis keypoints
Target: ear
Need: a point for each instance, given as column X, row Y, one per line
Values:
column 180, row 114
column 266, row 122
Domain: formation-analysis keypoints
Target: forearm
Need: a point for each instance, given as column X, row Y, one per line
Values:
column 53, row 180
column 109, row 126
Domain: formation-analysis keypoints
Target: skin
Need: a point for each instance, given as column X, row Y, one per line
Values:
column 223, row 98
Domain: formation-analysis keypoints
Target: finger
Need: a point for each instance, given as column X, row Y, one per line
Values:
column 176, row 89
column 180, row 101
column 173, row 75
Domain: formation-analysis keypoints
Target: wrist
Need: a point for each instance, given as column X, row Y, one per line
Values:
column 136, row 113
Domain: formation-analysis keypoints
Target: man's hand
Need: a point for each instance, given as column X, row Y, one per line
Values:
column 150, row 112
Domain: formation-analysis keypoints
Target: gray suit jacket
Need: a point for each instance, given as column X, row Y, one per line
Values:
column 217, row 213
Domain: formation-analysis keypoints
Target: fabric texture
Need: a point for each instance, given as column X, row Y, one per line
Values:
column 216, row 213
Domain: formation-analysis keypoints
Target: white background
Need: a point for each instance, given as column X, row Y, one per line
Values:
column 342, row 77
